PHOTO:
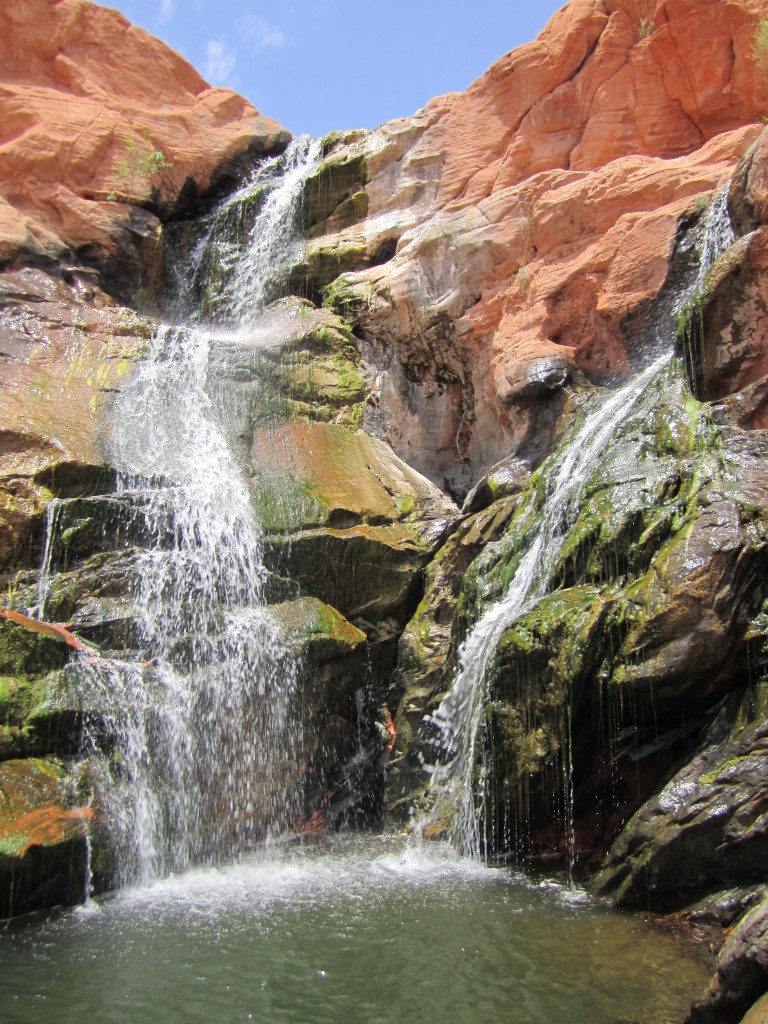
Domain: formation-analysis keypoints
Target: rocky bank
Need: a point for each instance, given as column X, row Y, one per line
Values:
column 474, row 277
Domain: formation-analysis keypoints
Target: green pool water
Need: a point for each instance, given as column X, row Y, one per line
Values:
column 356, row 930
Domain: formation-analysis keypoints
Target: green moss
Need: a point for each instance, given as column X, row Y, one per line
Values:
column 23, row 653
column 406, row 504
column 309, row 621
column 338, row 178
column 715, row 775
column 689, row 339
column 20, row 697
column 288, row 507
column 355, row 414
column 320, row 269
column 349, row 211
column 333, row 140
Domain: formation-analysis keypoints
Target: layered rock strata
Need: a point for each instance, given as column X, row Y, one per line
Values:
column 473, row 276
column 518, row 231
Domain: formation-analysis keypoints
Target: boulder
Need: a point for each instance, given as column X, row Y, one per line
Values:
column 707, row 828
column 741, row 978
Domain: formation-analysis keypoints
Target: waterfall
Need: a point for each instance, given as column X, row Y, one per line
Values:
column 457, row 719
column 241, row 261
column 197, row 753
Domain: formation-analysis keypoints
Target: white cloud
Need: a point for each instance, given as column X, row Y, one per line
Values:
column 265, row 35
column 166, row 11
column 219, row 63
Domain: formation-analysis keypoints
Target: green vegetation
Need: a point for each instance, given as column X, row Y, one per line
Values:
column 760, row 45
column 134, row 174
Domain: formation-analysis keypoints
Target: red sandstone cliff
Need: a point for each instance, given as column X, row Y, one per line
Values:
column 84, row 98
column 513, row 232
column 535, row 213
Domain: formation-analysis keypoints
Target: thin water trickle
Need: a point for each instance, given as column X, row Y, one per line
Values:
column 455, row 796
column 716, row 235
column 52, row 516
column 458, row 716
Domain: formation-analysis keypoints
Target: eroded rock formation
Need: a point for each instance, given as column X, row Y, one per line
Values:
column 473, row 276
column 527, row 223
column 78, row 180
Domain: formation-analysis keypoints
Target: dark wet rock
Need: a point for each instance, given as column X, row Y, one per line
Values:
column 706, row 829
column 507, row 478
column 722, row 329
column 332, row 676
column 741, row 978
column 608, row 681
column 726, row 907
column 423, row 667
column 368, row 572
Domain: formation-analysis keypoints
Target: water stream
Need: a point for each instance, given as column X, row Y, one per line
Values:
column 217, row 919
column 196, row 753
column 457, row 719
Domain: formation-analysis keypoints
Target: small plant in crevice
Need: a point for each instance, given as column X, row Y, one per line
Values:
column 523, row 279
column 133, row 175
column 759, row 52
column 647, row 28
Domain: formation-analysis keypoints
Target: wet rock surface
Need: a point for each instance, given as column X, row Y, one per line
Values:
column 474, row 276
column 741, row 978
column 706, row 828
column 42, row 837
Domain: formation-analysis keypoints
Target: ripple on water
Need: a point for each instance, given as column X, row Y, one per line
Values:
column 357, row 931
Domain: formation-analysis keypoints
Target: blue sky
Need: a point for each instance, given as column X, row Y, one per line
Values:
column 318, row 65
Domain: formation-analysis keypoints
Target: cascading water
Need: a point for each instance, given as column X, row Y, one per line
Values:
column 196, row 754
column 455, row 796
column 242, row 259
column 197, row 751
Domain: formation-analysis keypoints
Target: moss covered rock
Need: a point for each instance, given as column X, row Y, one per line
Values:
column 708, row 827
column 334, row 195
column 600, row 688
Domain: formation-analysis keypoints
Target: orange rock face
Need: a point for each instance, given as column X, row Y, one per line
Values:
column 64, row 347
column 534, row 216
column 86, row 99
column 525, row 224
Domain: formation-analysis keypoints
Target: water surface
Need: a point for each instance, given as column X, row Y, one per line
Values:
column 351, row 931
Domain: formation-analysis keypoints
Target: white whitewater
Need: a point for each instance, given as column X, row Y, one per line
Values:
column 459, row 715
column 202, row 746
column 255, row 258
